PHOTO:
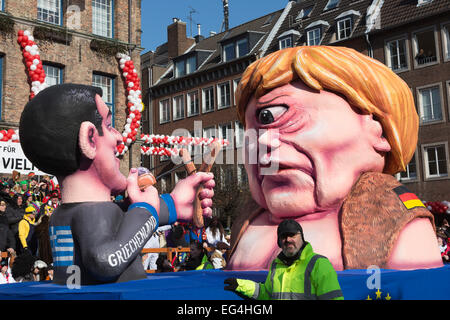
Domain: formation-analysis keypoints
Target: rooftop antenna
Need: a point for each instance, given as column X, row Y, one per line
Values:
column 225, row 22
column 190, row 17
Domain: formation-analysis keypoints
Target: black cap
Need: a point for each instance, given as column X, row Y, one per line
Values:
column 288, row 226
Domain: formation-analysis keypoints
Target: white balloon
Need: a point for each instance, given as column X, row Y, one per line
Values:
column 132, row 115
column 122, row 61
column 129, row 141
column 131, row 84
column 33, row 67
column 31, row 38
column 125, row 74
column 129, row 120
column 34, row 47
column 1, row 135
column 132, row 92
column 27, row 33
column 127, row 58
column 124, row 134
column 28, row 48
column 36, row 61
column 15, row 137
column 134, row 70
column 132, row 108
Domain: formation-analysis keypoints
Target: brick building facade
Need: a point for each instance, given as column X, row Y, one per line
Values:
column 77, row 42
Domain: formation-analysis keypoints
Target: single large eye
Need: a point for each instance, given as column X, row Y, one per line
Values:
column 270, row 114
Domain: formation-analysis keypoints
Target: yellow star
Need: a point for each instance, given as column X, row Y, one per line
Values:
column 378, row 293
column 369, row 298
column 388, row 297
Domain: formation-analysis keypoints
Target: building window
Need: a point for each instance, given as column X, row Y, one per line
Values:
column 344, row 28
column 425, row 47
column 223, row 95
column 209, row 132
column 178, row 107
column 235, row 85
column 446, row 40
column 192, row 103
column 235, row 49
column 164, row 111
column 331, row 4
column 226, row 132
column 242, row 178
column 229, row 52
column 286, row 42
column 239, row 133
column 411, row 170
column 102, row 18
column 313, row 37
column 49, row 11
column 185, row 66
column 397, row 55
column 304, row 13
column 53, row 75
column 436, row 160
column 208, row 99
column 242, row 47
column 430, row 106
column 226, row 176
column 107, row 85
column 2, row 5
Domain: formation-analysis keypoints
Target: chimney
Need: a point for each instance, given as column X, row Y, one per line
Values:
column 198, row 37
column 177, row 40
column 212, row 33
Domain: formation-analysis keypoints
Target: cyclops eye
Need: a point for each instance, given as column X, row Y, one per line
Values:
column 270, row 114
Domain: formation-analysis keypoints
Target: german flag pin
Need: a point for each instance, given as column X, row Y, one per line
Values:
column 409, row 199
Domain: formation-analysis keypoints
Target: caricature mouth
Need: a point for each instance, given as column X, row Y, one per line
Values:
column 283, row 168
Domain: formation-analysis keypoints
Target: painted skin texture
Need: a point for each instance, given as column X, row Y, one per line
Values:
column 310, row 136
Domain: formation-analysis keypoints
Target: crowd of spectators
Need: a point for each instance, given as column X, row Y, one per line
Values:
column 26, row 205
column 443, row 237
column 208, row 247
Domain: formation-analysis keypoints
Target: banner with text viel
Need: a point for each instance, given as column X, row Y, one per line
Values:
column 13, row 158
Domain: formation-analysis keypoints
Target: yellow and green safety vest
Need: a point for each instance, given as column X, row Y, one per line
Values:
column 205, row 264
column 310, row 277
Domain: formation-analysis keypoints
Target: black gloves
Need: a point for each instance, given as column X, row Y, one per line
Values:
column 232, row 284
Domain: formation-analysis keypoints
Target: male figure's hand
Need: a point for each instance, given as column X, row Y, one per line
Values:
column 149, row 195
column 185, row 192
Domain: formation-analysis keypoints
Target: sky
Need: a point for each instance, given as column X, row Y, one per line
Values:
column 158, row 14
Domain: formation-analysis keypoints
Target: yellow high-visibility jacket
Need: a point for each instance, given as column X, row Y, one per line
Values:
column 310, row 277
column 25, row 225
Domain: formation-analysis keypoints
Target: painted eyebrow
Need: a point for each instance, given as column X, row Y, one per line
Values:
column 262, row 103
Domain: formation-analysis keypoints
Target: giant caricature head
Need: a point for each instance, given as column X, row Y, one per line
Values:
column 324, row 115
column 67, row 127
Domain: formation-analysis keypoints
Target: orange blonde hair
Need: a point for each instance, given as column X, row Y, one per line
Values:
column 366, row 83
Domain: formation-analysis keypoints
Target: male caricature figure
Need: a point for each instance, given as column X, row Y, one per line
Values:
column 66, row 130
column 337, row 125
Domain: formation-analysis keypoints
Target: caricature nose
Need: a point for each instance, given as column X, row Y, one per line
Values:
column 268, row 141
column 269, row 138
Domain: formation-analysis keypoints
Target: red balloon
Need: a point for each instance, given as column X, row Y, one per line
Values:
column 25, row 39
column 20, row 32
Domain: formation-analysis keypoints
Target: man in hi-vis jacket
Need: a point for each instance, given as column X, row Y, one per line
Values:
column 297, row 273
